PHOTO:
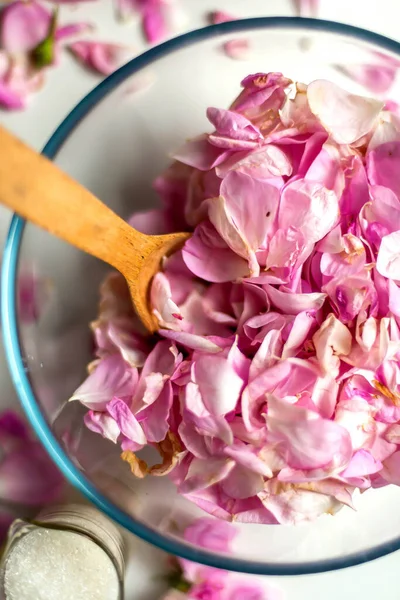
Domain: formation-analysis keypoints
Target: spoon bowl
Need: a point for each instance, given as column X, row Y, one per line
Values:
column 37, row 190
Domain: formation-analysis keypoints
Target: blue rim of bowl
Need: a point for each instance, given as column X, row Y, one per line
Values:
column 10, row 326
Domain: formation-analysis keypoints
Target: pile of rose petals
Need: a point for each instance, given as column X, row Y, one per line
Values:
column 273, row 389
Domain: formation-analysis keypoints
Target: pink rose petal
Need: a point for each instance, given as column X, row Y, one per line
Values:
column 101, row 57
column 345, row 116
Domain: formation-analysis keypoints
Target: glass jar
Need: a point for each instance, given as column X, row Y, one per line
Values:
column 77, row 519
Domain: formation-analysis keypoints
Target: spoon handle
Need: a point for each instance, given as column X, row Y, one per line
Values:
column 37, row 190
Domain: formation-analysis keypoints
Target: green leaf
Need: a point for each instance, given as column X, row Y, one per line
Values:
column 43, row 54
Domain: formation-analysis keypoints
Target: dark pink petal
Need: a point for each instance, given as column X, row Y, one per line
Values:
column 154, row 22
column 101, row 57
column 23, row 25
column 10, row 100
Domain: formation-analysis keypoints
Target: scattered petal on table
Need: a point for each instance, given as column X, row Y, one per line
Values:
column 237, row 49
column 101, row 57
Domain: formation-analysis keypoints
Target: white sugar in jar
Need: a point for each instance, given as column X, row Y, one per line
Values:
column 68, row 553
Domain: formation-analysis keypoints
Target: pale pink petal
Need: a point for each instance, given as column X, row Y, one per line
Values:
column 267, row 162
column 246, row 590
column 388, row 262
column 294, row 304
column 190, row 340
column 345, row 116
column 310, row 208
column 294, row 505
column 231, row 124
column 211, row 534
column 361, row 464
column 331, row 341
column 350, row 260
column 208, row 256
column 248, row 458
column 154, row 418
column 241, row 483
column 101, row 57
column 238, row 49
column 391, row 469
column 299, row 332
column 111, row 377
column 252, row 205
column 218, row 382
column 164, row 308
column 268, row 353
column 387, row 130
column 285, row 378
column 127, row 423
column 287, row 251
column 377, row 79
column 309, row 442
column 205, row 473
column 104, row 424
column 71, row 29
column 200, row 154
column 306, row 8
column 23, row 25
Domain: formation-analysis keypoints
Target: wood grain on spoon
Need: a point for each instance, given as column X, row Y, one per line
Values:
column 37, row 190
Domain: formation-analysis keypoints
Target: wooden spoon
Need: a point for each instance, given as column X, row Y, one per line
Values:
column 40, row 192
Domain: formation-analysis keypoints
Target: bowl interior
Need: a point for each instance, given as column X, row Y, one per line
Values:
column 115, row 143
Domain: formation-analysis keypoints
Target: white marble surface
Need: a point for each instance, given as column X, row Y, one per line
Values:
column 66, row 85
